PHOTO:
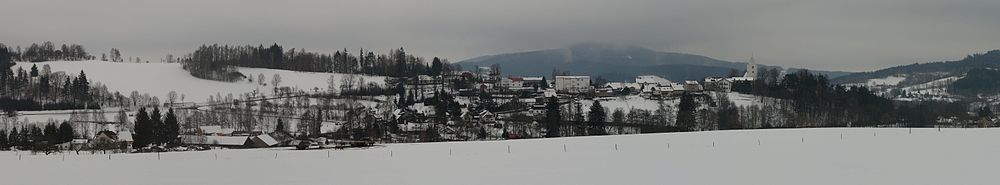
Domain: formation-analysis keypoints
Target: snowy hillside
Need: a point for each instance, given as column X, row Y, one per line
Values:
column 773, row 157
column 917, row 87
column 158, row 79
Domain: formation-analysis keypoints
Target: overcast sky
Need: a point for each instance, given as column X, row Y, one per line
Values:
column 851, row 35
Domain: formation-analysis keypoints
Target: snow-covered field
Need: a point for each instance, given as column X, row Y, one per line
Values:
column 787, row 156
column 887, row 81
column 158, row 79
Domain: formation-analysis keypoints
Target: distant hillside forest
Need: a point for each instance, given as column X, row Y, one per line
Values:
column 977, row 81
column 818, row 102
column 218, row 62
column 989, row 59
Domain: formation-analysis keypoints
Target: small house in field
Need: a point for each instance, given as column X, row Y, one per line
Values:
column 105, row 139
column 125, row 138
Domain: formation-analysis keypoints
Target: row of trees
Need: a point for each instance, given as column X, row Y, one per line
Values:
column 817, row 102
column 216, row 61
column 32, row 137
column 153, row 129
column 47, row 51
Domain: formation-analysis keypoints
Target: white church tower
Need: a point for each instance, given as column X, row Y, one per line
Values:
column 751, row 69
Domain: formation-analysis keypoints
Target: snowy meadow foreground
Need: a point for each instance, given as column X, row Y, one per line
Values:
column 783, row 156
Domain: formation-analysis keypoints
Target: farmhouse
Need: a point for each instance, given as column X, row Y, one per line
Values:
column 718, row 84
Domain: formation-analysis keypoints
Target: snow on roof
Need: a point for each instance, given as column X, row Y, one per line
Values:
column 211, row 129
column 80, row 141
column 615, row 85
column 267, row 139
column 532, row 78
column 715, row 79
column 691, row 82
column 572, row 77
column 742, row 78
column 225, row 140
column 651, row 79
column 125, row 136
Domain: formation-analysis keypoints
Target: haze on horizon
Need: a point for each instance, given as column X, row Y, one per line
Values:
column 849, row 35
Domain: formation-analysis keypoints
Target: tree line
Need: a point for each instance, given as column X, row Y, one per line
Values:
column 32, row 137
column 47, row 51
column 217, row 61
column 153, row 129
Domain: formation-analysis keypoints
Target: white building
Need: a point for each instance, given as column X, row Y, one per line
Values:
column 718, row 84
column 573, row 84
column 512, row 82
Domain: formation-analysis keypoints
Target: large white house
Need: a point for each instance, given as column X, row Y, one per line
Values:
column 573, row 84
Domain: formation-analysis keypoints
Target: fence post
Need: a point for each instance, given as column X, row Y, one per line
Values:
column 508, row 149
column 564, row 148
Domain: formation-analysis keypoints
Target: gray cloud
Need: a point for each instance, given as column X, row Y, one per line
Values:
column 854, row 35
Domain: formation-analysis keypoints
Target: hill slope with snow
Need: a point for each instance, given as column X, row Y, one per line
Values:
column 772, row 157
column 158, row 79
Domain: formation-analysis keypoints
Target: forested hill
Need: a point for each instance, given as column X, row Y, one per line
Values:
column 989, row 59
column 613, row 62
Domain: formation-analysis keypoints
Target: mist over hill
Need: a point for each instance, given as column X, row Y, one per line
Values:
column 613, row 62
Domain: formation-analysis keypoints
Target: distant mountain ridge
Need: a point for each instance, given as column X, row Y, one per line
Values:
column 613, row 62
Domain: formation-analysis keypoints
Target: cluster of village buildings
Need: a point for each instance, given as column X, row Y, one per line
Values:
column 483, row 79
